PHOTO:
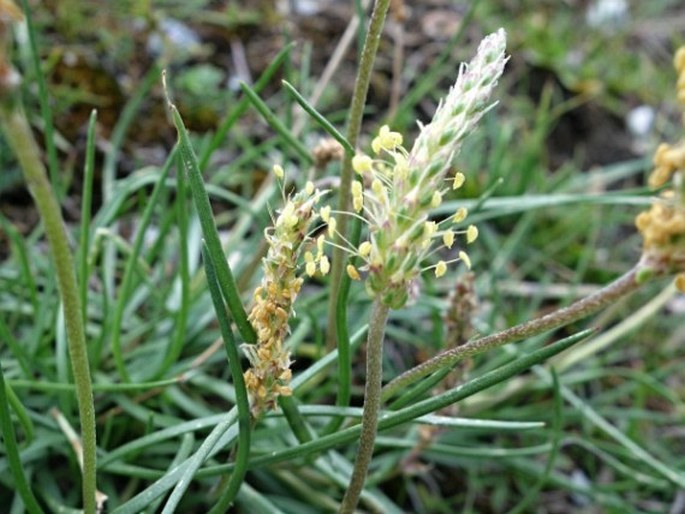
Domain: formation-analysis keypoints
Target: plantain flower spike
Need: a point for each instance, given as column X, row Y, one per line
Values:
column 663, row 225
column 269, row 374
column 406, row 185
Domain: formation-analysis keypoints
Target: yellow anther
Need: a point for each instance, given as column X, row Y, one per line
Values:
column 429, row 228
column 436, row 200
column 357, row 196
column 324, row 265
column 362, row 163
column 352, row 272
column 377, row 187
column 278, row 171
column 365, row 249
column 465, row 258
column 680, row 279
column 440, row 268
column 471, row 234
column 458, row 181
column 679, row 60
column 448, row 238
column 460, row 215
column 386, row 140
column 389, row 139
column 325, row 213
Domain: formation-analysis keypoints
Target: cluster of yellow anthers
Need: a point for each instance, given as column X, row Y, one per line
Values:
column 269, row 375
column 663, row 225
column 404, row 186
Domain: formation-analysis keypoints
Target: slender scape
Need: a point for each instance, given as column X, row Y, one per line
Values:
column 404, row 187
column 584, row 307
column 21, row 140
column 372, row 405
column 354, row 122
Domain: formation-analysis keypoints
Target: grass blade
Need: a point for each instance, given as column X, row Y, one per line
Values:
column 242, row 402
column 276, row 124
column 400, row 417
column 242, row 106
column 43, row 98
column 229, row 289
column 323, row 122
column 127, row 280
column 86, row 204
column 176, row 345
column 12, row 450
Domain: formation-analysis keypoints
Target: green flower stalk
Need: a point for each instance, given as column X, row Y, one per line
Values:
column 15, row 125
column 402, row 187
column 270, row 374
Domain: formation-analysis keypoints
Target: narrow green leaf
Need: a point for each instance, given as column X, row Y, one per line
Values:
column 12, row 450
column 127, row 280
column 638, row 452
column 319, row 118
column 242, row 402
column 227, row 283
column 242, row 106
column 407, row 414
column 124, row 122
column 86, row 204
column 176, row 345
column 276, row 124
column 534, row 491
column 20, row 411
column 45, row 103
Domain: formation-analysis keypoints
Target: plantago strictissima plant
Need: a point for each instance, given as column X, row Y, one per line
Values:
column 403, row 188
column 395, row 190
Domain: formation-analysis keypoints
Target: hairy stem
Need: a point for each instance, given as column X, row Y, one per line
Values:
column 584, row 307
column 372, row 404
column 354, row 123
column 21, row 140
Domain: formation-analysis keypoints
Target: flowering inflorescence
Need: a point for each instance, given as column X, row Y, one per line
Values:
column 663, row 225
column 269, row 375
column 399, row 188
